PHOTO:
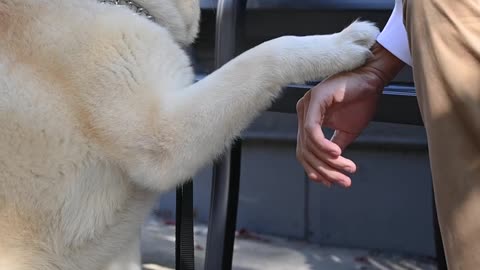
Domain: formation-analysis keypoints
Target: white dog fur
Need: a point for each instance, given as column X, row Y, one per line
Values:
column 99, row 115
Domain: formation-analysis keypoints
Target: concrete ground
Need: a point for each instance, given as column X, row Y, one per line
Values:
column 255, row 252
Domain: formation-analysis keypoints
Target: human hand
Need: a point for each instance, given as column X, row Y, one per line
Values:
column 346, row 103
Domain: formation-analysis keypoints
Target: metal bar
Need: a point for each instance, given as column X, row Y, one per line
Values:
column 226, row 176
column 398, row 104
column 314, row 4
column 184, row 251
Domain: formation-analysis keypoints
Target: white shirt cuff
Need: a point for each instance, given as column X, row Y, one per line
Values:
column 394, row 36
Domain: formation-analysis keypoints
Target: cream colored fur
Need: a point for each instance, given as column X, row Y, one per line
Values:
column 98, row 115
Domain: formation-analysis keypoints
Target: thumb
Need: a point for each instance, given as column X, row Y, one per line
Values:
column 343, row 139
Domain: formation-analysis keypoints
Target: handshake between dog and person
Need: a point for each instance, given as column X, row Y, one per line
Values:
column 99, row 115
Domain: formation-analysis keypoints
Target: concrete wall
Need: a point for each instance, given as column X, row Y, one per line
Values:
column 389, row 206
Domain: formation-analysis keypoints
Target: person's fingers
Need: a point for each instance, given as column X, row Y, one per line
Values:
column 340, row 163
column 311, row 174
column 343, row 139
column 325, row 172
column 321, row 164
column 313, row 126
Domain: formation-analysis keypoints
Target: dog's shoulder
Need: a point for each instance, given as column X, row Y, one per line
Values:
column 84, row 54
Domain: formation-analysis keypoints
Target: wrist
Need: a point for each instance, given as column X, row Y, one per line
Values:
column 381, row 68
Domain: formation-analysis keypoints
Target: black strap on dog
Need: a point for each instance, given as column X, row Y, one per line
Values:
column 184, row 245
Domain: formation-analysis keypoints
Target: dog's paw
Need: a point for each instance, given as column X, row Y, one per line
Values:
column 362, row 33
column 354, row 43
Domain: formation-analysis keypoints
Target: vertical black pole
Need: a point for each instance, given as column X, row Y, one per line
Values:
column 184, row 250
column 223, row 211
column 226, row 175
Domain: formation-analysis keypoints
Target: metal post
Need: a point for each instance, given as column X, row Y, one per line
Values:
column 184, row 251
column 223, row 211
column 226, row 176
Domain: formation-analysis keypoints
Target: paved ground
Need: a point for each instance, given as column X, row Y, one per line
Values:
column 255, row 252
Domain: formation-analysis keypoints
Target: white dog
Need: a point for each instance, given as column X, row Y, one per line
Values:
column 98, row 115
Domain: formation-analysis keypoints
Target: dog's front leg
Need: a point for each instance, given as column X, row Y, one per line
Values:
column 206, row 116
